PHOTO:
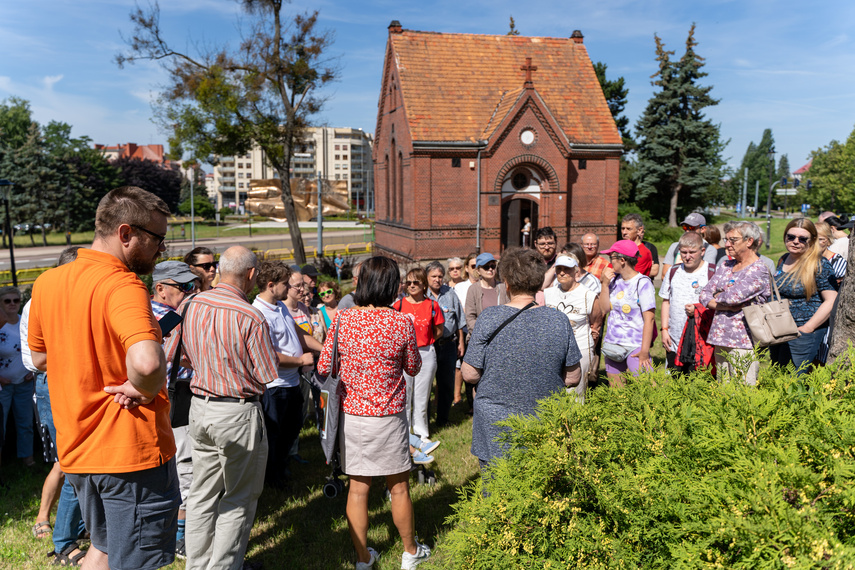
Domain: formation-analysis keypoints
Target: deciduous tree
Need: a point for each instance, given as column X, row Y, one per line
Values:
column 678, row 147
column 222, row 100
column 832, row 175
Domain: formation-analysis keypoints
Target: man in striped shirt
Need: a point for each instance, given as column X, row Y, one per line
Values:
column 227, row 342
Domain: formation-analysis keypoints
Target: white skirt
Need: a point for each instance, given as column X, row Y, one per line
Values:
column 373, row 446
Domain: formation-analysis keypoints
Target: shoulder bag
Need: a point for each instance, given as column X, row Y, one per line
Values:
column 329, row 406
column 772, row 322
column 179, row 392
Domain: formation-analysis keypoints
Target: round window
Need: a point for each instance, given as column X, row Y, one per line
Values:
column 527, row 136
column 520, row 180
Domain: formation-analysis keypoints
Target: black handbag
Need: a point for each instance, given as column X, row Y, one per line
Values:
column 180, row 395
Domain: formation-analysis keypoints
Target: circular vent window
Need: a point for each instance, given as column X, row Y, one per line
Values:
column 520, row 180
column 527, row 136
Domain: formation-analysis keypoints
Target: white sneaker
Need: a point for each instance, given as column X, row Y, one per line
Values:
column 370, row 564
column 409, row 561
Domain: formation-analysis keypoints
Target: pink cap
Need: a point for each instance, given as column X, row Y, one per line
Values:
column 623, row 247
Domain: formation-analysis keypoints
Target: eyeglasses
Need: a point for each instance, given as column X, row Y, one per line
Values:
column 183, row 287
column 801, row 239
column 158, row 237
column 489, row 266
column 455, row 268
column 325, row 293
column 544, row 243
column 589, row 245
column 11, row 301
column 296, row 286
column 207, row 266
column 688, row 228
column 411, row 283
column 734, row 240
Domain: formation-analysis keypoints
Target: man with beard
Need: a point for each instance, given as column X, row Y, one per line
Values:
column 93, row 318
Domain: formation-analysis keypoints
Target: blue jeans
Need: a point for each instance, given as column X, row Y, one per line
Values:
column 68, row 525
column 69, row 521
column 801, row 351
column 19, row 397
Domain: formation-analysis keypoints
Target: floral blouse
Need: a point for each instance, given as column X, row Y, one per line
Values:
column 375, row 347
column 752, row 285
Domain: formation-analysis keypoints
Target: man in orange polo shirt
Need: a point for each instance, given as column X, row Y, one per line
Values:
column 91, row 328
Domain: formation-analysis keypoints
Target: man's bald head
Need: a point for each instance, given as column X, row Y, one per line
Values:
column 239, row 267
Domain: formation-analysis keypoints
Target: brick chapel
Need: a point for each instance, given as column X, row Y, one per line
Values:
column 477, row 132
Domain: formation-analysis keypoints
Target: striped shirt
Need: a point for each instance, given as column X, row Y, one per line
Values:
column 228, row 343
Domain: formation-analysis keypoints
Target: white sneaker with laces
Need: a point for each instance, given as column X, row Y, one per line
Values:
column 370, row 564
column 409, row 561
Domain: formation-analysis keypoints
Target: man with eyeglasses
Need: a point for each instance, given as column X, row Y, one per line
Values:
column 594, row 263
column 546, row 242
column 172, row 282
column 93, row 318
column 696, row 223
column 201, row 262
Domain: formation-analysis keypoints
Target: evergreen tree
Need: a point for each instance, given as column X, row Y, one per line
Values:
column 616, row 93
column 36, row 200
column 160, row 181
column 679, row 150
column 783, row 167
column 513, row 31
column 756, row 160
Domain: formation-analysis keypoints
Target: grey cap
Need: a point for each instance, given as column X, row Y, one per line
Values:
column 178, row 271
column 295, row 268
column 695, row 219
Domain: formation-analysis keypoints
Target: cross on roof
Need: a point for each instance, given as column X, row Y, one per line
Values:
column 528, row 68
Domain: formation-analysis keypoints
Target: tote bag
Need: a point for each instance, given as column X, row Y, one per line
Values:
column 772, row 322
column 330, row 404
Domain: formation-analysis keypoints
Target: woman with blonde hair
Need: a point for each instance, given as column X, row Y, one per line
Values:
column 804, row 277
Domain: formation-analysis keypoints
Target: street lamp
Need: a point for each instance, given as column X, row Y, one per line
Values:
column 771, row 155
column 7, row 194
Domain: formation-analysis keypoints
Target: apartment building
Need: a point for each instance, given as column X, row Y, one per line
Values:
column 337, row 153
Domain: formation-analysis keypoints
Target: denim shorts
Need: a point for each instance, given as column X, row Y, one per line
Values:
column 133, row 517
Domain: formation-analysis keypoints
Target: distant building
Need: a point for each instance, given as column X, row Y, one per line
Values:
column 337, row 153
column 802, row 171
column 151, row 152
column 476, row 133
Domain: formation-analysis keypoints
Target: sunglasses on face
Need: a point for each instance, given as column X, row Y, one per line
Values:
column 489, row 266
column 327, row 292
column 158, row 237
column 183, row 287
column 207, row 266
column 11, row 301
column 455, row 268
column 688, row 228
column 801, row 239
column 411, row 283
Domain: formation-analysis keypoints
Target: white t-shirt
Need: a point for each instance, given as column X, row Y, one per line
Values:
column 685, row 289
column 840, row 247
column 462, row 289
column 283, row 333
column 26, row 355
column 672, row 257
column 577, row 304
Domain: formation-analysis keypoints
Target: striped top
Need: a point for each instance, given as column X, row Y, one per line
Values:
column 228, row 343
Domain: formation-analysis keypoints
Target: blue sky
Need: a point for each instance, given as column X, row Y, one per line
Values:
column 783, row 65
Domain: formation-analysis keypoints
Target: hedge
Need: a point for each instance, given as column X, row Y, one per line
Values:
column 672, row 473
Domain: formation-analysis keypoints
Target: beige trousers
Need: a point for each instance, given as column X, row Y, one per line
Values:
column 229, row 458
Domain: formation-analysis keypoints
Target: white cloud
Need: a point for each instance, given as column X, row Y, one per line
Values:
column 50, row 80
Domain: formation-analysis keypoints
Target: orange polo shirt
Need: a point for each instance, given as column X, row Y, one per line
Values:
column 85, row 315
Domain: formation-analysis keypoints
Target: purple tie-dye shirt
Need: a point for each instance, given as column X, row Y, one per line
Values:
column 629, row 300
column 750, row 285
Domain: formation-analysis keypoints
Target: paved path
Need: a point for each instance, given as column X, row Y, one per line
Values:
column 28, row 257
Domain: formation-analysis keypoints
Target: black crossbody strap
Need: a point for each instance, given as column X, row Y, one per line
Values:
column 507, row 322
column 176, row 360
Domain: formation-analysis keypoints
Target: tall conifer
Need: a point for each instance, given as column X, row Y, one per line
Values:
column 679, row 148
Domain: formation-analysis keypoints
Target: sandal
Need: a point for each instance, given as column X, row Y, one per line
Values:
column 42, row 529
column 68, row 558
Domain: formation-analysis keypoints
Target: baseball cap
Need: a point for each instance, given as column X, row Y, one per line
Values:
column 695, row 219
column 623, row 247
column 309, row 270
column 296, row 268
column 178, row 271
column 565, row 261
column 848, row 225
column 484, row 259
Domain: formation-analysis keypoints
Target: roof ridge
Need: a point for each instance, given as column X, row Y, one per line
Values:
column 514, row 38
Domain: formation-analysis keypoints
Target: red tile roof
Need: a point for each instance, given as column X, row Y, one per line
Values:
column 804, row 168
column 457, row 87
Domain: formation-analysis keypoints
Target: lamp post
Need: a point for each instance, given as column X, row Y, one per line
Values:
column 771, row 155
column 7, row 194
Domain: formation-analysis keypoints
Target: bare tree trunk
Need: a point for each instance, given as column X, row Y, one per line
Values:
column 843, row 315
column 672, row 209
column 291, row 215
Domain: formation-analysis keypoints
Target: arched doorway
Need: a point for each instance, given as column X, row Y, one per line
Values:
column 521, row 188
column 514, row 213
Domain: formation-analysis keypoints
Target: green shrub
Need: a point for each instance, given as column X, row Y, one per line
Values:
column 670, row 473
